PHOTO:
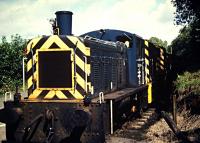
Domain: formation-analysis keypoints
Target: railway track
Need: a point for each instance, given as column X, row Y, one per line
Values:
column 135, row 129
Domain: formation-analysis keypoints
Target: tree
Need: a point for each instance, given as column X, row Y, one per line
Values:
column 185, row 48
column 11, row 54
column 187, row 11
column 186, row 45
column 158, row 42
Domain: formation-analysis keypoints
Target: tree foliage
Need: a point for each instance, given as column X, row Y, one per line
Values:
column 158, row 42
column 186, row 11
column 11, row 54
column 186, row 49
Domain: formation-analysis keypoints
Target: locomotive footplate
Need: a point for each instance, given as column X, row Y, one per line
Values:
column 119, row 105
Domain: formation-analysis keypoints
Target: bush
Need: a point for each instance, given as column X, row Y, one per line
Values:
column 188, row 83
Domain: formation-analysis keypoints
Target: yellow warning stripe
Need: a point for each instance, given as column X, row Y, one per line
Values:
column 30, row 80
column 60, row 95
column 50, row 94
column 80, row 81
column 85, row 50
column 76, row 94
column 146, row 61
column 162, row 57
column 81, row 64
column 146, row 43
column 162, row 67
column 147, row 71
column 29, row 63
column 161, row 62
column 146, row 52
column 54, row 39
column 32, row 43
column 35, row 94
column 149, row 93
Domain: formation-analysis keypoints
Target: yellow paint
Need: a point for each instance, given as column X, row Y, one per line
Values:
column 146, row 61
column 161, row 62
column 80, row 45
column 150, row 93
column 161, row 67
column 77, row 94
column 162, row 57
column 80, row 81
column 32, row 43
column 30, row 80
column 146, row 75
column 81, row 64
column 146, row 43
column 35, row 94
column 29, row 63
column 54, row 39
column 50, row 94
column 63, row 47
column 60, row 95
column 146, row 52
column 146, row 70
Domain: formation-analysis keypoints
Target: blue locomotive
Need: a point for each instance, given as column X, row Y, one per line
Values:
column 80, row 87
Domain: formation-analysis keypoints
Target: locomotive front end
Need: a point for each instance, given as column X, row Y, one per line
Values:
column 58, row 81
column 58, row 68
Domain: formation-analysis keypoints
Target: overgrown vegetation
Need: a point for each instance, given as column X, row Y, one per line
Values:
column 11, row 53
column 185, row 47
column 188, row 83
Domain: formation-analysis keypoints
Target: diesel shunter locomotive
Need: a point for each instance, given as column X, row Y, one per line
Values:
column 80, row 87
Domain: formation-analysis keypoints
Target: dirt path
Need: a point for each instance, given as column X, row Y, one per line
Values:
column 135, row 130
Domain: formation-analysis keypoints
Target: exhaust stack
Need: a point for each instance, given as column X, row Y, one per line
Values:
column 64, row 22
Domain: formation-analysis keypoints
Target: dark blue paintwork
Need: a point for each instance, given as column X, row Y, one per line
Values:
column 113, row 35
column 64, row 22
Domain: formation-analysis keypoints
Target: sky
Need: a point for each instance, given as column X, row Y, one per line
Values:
column 146, row 18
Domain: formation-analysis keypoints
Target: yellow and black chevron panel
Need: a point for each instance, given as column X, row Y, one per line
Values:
column 80, row 70
column 147, row 70
column 162, row 59
column 147, row 58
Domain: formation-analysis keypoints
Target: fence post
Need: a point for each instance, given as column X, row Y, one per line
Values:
column 174, row 109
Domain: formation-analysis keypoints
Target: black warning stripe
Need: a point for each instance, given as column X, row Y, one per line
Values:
column 79, row 53
column 80, row 89
column 54, row 46
column 81, row 73
column 147, row 57
column 31, row 89
column 43, row 94
column 37, row 46
column 55, row 98
column 67, row 94
column 67, row 42
column 30, row 72
column 148, row 67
